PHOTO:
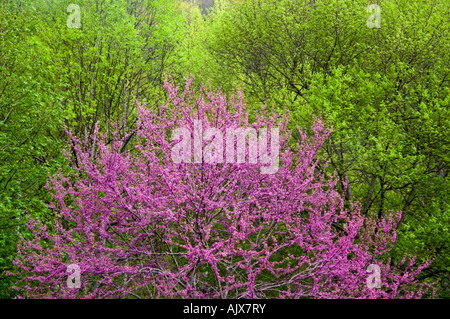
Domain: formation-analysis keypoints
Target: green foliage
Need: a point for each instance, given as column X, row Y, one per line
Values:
column 30, row 126
column 120, row 52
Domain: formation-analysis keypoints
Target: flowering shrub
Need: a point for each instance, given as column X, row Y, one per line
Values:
column 138, row 224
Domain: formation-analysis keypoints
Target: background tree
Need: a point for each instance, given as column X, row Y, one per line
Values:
column 120, row 53
column 30, row 122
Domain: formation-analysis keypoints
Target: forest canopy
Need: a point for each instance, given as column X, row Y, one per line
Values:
column 73, row 71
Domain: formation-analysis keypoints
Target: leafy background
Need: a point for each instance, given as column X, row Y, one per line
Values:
column 384, row 91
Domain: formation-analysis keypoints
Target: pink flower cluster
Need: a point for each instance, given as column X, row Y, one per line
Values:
column 139, row 224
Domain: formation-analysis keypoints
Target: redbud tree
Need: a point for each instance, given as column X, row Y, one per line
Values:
column 138, row 224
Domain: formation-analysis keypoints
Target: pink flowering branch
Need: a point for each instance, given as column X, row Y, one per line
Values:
column 139, row 224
